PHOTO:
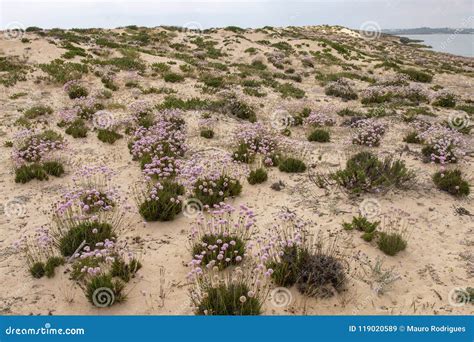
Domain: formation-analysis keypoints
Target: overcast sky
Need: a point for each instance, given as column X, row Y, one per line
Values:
column 244, row 13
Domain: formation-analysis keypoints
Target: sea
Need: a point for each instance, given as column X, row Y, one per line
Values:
column 456, row 44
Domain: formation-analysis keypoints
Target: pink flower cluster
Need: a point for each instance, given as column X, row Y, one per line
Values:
column 34, row 146
column 258, row 138
column 369, row 132
column 320, row 118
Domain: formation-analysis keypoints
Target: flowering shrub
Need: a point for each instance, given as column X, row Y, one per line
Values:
column 319, row 119
column 452, row 182
column 206, row 126
column 87, row 106
column 253, row 139
column 39, row 252
column 444, row 98
column 212, row 177
column 441, row 144
column 381, row 93
column 160, row 201
column 341, row 88
column 142, row 114
column 219, row 238
column 316, row 267
column 369, row 132
column 75, row 90
column 34, row 155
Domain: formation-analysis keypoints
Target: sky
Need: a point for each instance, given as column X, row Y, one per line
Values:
column 365, row 14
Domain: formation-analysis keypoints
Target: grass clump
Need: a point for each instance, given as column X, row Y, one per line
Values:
column 172, row 77
column 163, row 203
column 207, row 133
column 452, row 182
column 26, row 173
column 91, row 232
column 417, row 75
column 77, row 129
column 361, row 223
column 63, row 72
column 108, row 136
column 228, row 299
column 319, row 135
column 37, row 269
column 75, row 91
column 364, row 172
column 292, row 165
column 124, row 270
column 36, row 111
column 51, row 264
column 391, row 243
column 412, row 138
column 257, row 176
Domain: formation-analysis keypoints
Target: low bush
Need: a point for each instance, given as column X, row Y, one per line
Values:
column 257, row 176
column 292, row 165
column 162, row 202
column 451, row 181
column 391, row 243
column 319, row 135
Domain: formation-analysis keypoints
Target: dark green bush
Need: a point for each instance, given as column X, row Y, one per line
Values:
column 391, row 243
column 364, row 172
column 362, row 224
column 412, row 138
column 292, row 165
column 37, row 269
column 35, row 111
column 319, row 135
column 417, row 76
column 207, row 133
column 452, row 182
column 123, row 270
column 51, row 265
column 108, row 136
column 77, row 129
column 243, row 154
column 257, row 176
column 173, row 77
column 76, row 91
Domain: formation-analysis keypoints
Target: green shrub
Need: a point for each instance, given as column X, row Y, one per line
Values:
column 62, row 72
column 417, row 76
column 89, row 231
column 391, row 243
column 319, row 135
column 35, row 111
column 292, row 165
column 225, row 299
column 108, row 136
column 286, row 271
column 446, row 101
column 257, row 176
column 77, row 129
column 173, row 77
column 123, row 270
column 452, row 182
column 289, row 90
column 207, row 133
column 37, row 269
column 362, row 224
column 162, row 208
column 76, row 91
column 51, row 265
column 243, row 154
column 412, row 138
column 53, row 168
column 364, row 172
